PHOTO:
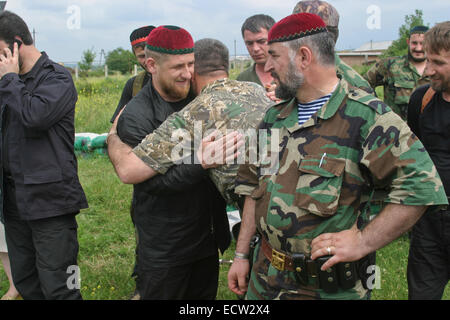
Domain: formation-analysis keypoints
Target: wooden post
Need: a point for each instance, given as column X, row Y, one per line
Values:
column 135, row 69
column 106, row 71
column 76, row 72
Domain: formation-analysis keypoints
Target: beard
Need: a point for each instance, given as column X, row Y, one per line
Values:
column 294, row 80
column 442, row 86
column 174, row 91
column 410, row 57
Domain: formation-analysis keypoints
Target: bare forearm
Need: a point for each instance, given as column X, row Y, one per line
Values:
column 248, row 227
column 129, row 168
column 390, row 224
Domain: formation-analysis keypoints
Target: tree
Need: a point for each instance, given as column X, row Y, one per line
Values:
column 88, row 59
column 399, row 47
column 121, row 60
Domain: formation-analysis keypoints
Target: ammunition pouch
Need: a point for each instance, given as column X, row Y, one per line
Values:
column 342, row 275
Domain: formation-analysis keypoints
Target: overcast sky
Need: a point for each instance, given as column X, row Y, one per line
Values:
column 65, row 28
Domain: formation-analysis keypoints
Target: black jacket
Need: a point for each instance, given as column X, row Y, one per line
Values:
column 37, row 152
column 177, row 211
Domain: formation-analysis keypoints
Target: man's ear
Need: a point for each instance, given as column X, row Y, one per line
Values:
column 150, row 63
column 407, row 41
column 304, row 57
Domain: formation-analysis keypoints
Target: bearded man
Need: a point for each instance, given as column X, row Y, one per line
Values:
column 401, row 75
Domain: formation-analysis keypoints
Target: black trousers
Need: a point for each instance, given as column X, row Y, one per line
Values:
column 429, row 256
column 194, row 281
column 43, row 255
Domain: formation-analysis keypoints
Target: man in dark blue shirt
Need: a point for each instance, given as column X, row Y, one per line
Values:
column 40, row 187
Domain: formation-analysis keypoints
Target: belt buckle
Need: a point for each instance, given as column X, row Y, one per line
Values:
column 278, row 260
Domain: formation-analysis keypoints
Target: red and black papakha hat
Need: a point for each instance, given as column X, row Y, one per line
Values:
column 170, row 40
column 296, row 26
column 140, row 35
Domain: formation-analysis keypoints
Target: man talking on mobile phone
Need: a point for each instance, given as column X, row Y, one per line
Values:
column 41, row 193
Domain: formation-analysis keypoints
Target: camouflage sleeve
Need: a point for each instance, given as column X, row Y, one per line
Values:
column 398, row 161
column 159, row 150
column 246, row 180
column 376, row 74
column 352, row 76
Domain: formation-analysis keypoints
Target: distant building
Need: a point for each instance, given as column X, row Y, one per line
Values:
column 365, row 54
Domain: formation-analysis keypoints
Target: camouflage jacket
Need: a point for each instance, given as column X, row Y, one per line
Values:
column 224, row 105
column 329, row 166
column 399, row 79
column 352, row 77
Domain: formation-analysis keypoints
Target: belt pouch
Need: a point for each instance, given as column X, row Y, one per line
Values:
column 328, row 278
column 346, row 274
column 299, row 264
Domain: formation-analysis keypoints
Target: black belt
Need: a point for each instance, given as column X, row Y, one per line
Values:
column 342, row 275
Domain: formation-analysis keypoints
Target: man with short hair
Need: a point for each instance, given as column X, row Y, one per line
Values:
column 399, row 76
column 254, row 32
column 135, row 84
column 330, row 16
column 175, row 214
column 41, row 193
column 336, row 143
column 429, row 118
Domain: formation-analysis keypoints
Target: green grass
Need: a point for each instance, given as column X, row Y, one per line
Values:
column 106, row 234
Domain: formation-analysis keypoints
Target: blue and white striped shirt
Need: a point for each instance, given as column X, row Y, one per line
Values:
column 306, row 110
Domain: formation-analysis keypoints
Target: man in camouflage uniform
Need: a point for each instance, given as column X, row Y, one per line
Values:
column 254, row 32
column 401, row 75
column 330, row 16
column 222, row 104
column 310, row 210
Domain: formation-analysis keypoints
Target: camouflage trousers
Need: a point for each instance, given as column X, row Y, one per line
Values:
column 268, row 283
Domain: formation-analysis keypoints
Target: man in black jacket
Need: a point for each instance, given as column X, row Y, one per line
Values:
column 180, row 217
column 40, row 188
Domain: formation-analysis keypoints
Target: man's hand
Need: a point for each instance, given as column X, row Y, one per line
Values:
column 237, row 276
column 9, row 62
column 344, row 246
column 270, row 92
column 215, row 151
column 353, row 244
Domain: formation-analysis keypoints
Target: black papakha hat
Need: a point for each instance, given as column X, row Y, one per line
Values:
column 140, row 35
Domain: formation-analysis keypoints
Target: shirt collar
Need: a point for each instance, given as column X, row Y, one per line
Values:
column 37, row 66
column 289, row 113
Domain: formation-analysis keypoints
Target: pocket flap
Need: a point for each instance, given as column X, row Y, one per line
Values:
column 322, row 165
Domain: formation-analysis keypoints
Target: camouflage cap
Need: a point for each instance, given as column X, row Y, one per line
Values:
column 323, row 9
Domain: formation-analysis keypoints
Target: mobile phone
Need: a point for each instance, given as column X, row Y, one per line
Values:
column 19, row 43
